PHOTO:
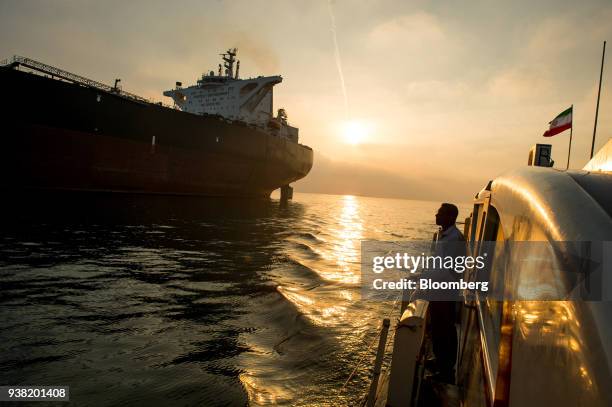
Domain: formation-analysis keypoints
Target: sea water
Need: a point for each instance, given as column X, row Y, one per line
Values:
column 149, row 300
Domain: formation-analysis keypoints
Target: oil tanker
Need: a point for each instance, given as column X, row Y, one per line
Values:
column 63, row 131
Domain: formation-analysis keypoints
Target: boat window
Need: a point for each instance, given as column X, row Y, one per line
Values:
column 483, row 217
column 473, row 226
column 491, row 226
column 597, row 185
column 491, row 310
column 479, row 226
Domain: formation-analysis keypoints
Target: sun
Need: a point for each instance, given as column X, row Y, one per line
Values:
column 354, row 132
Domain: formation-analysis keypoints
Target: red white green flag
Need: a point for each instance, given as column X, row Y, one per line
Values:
column 560, row 123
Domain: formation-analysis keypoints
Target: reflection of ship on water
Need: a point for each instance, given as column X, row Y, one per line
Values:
column 536, row 351
column 64, row 131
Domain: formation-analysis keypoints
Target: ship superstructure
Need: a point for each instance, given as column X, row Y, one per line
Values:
column 244, row 100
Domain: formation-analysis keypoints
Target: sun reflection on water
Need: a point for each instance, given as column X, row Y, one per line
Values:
column 348, row 235
column 320, row 324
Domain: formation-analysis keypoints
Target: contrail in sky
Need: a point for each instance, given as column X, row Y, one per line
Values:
column 337, row 54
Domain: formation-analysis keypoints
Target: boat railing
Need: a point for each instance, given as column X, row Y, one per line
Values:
column 406, row 364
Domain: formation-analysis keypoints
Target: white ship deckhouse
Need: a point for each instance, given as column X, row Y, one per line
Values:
column 224, row 94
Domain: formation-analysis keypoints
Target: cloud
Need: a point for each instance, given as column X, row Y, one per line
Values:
column 550, row 40
column 522, row 83
column 417, row 31
column 434, row 92
column 257, row 51
column 417, row 44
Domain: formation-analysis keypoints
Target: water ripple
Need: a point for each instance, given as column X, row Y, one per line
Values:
column 180, row 301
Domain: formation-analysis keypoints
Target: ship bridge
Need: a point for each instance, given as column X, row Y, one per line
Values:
column 225, row 94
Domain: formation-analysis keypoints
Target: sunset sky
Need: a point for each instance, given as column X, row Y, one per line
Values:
column 441, row 96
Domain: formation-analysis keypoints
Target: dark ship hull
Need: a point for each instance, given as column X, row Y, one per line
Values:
column 67, row 136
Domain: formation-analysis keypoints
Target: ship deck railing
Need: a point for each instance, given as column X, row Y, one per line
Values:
column 55, row 72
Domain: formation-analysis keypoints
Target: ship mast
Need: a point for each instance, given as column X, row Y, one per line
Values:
column 229, row 57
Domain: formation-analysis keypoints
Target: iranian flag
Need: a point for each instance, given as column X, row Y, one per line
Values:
column 560, row 123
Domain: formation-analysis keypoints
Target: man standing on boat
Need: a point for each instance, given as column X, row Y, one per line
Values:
column 442, row 312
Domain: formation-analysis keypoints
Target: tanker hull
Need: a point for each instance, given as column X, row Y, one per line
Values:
column 72, row 137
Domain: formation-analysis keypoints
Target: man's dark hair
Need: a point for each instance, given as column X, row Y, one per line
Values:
column 451, row 210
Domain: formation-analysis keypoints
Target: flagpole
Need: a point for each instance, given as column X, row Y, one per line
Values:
column 569, row 148
column 603, row 55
